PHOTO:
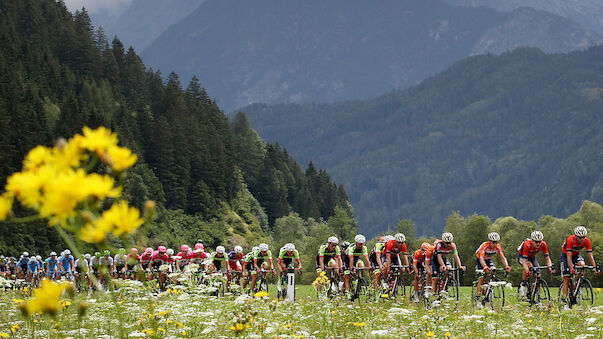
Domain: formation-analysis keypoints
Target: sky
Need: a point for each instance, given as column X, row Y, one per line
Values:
column 96, row 6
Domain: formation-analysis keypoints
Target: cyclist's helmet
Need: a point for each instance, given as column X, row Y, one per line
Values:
column 537, row 236
column 238, row 249
column 400, row 237
column 25, row 254
column 87, row 256
column 67, row 252
column 122, row 250
column 220, row 249
column 289, row 247
column 447, row 237
column 345, row 244
column 580, row 231
column 148, row 250
column 389, row 237
column 134, row 250
column 493, row 236
column 107, row 252
column 263, row 247
column 1, row 257
column 255, row 249
column 425, row 246
column 199, row 246
column 169, row 251
column 333, row 240
column 39, row 258
column 360, row 239
column 382, row 238
column 183, row 248
column 97, row 254
column 53, row 254
column 161, row 249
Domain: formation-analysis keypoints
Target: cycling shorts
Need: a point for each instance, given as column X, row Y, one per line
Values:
column 565, row 271
column 435, row 266
column 489, row 262
column 394, row 257
column 235, row 265
column 533, row 260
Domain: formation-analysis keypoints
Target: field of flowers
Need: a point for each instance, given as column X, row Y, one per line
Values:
column 139, row 311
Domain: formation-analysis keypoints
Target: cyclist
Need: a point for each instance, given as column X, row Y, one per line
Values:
column 248, row 265
column 217, row 258
column 94, row 266
column 391, row 253
column 21, row 269
column 51, row 264
column 159, row 258
column 80, row 266
column 357, row 256
column 236, row 261
column 106, row 266
column 262, row 259
column 119, row 263
column 418, row 267
column 526, row 256
column 375, row 259
column 286, row 255
column 570, row 255
column 133, row 263
column 439, row 262
column 483, row 259
column 3, row 262
column 199, row 255
column 66, row 263
column 34, row 269
column 331, row 254
column 183, row 257
column 12, row 265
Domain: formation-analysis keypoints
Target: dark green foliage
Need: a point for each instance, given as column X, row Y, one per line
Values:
column 517, row 134
column 57, row 74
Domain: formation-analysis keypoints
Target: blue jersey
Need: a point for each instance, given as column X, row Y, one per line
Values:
column 33, row 265
column 66, row 261
column 52, row 264
column 22, row 261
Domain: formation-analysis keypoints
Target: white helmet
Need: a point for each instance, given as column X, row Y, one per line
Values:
column 220, row 249
column 238, row 249
column 447, row 237
column 388, row 238
column 580, row 231
column 67, row 252
column 360, row 239
column 537, row 236
column 25, row 254
column 333, row 240
column 263, row 247
column 169, row 251
column 289, row 247
column 53, row 254
column 494, row 236
column 39, row 258
column 255, row 249
column 87, row 256
column 400, row 237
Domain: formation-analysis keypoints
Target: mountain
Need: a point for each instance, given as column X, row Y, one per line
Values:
column 588, row 13
column 310, row 51
column 144, row 20
column 516, row 134
column 212, row 179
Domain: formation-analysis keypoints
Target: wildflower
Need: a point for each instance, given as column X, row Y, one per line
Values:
column 98, row 140
column 161, row 329
column 150, row 332
column 6, row 205
column 125, row 219
column 37, row 156
column 448, row 335
column 183, row 333
column 239, row 327
column 385, row 296
column 362, row 324
column 178, row 324
column 46, row 299
column 430, row 334
column 14, row 328
column 261, row 294
column 3, row 335
column 120, row 158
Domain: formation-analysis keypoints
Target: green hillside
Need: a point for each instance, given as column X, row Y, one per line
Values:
column 213, row 179
column 517, row 134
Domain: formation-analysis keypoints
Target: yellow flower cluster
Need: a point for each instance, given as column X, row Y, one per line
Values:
column 261, row 294
column 46, row 299
column 322, row 279
column 54, row 183
column 239, row 327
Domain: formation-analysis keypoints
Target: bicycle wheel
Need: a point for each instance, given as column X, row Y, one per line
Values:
column 263, row 285
column 360, row 291
column 474, row 294
column 496, row 298
column 452, row 288
column 541, row 293
column 585, row 296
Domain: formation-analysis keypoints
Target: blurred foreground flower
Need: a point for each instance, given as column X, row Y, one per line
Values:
column 261, row 294
column 46, row 299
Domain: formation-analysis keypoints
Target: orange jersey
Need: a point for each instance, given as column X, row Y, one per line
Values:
column 418, row 256
column 428, row 254
column 487, row 252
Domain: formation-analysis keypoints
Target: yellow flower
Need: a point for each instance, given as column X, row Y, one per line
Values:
column 150, row 332
column 68, row 155
column 178, row 324
column 97, row 140
column 261, row 294
column 430, row 334
column 3, row 335
column 161, row 329
column 120, row 158
column 448, row 335
column 183, row 332
column 385, row 296
column 65, row 303
column 6, row 205
column 597, row 290
column 46, row 299
column 95, row 233
column 124, row 219
column 99, row 186
column 362, row 324
column 38, row 155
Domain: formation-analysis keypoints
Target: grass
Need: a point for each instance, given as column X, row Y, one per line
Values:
column 189, row 313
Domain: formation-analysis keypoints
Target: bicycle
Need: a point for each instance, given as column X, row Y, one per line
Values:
column 362, row 290
column 394, row 281
column 538, row 290
column 493, row 292
column 449, row 287
column 334, row 283
column 235, row 282
column 581, row 289
column 285, row 283
column 261, row 283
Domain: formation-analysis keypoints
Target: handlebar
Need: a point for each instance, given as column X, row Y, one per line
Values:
column 537, row 268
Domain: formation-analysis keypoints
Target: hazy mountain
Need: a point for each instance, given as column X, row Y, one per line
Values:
column 588, row 13
column 145, row 20
column 517, row 134
column 307, row 51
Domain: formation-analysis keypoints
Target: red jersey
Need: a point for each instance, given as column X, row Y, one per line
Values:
column 160, row 258
column 428, row 254
column 528, row 249
column 571, row 244
column 392, row 247
column 441, row 248
column 418, row 256
column 198, row 257
column 145, row 259
column 132, row 259
column 487, row 252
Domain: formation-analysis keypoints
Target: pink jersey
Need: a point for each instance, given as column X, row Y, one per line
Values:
column 160, row 258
